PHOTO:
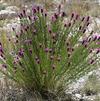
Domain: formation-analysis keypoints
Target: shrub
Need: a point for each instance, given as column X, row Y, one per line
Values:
column 48, row 53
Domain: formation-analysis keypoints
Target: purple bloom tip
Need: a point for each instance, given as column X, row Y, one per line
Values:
column 98, row 50
column 83, row 19
column 21, row 53
column 77, row 16
column 30, row 50
column 4, row 65
column 63, row 14
column 46, row 50
column 88, row 18
column 72, row 15
column 92, row 61
column 53, row 19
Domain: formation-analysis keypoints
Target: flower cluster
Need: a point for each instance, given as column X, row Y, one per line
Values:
column 50, row 53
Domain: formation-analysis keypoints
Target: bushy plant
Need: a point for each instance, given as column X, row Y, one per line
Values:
column 49, row 53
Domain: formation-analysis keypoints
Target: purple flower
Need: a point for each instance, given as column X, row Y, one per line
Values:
column 95, row 38
column 35, row 18
column 53, row 19
column 98, row 37
column 29, row 17
column 88, row 18
column 26, row 29
column 21, row 15
column 90, row 51
column 38, row 8
column 49, row 30
column 13, row 28
column 41, row 10
column 30, row 50
column 98, row 50
column 4, row 65
column 77, row 16
column 98, row 43
column 89, row 39
column 45, row 14
column 63, row 14
column 92, row 61
column 24, row 12
column 80, row 27
column 72, row 16
column 69, row 24
column 83, row 19
column 83, row 42
column 21, row 53
column 0, row 44
column 34, row 9
column 14, row 62
column 84, row 30
column 65, row 25
column 1, row 49
column 56, row 15
column 59, row 9
column 87, row 24
column 38, row 61
column 46, row 50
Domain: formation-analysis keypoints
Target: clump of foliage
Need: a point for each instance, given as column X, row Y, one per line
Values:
column 49, row 53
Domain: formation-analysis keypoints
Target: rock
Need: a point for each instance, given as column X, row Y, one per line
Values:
column 75, row 88
column 95, row 25
column 79, row 96
column 12, row 8
column 89, row 98
column 9, row 12
column 5, row 14
column 15, row 23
